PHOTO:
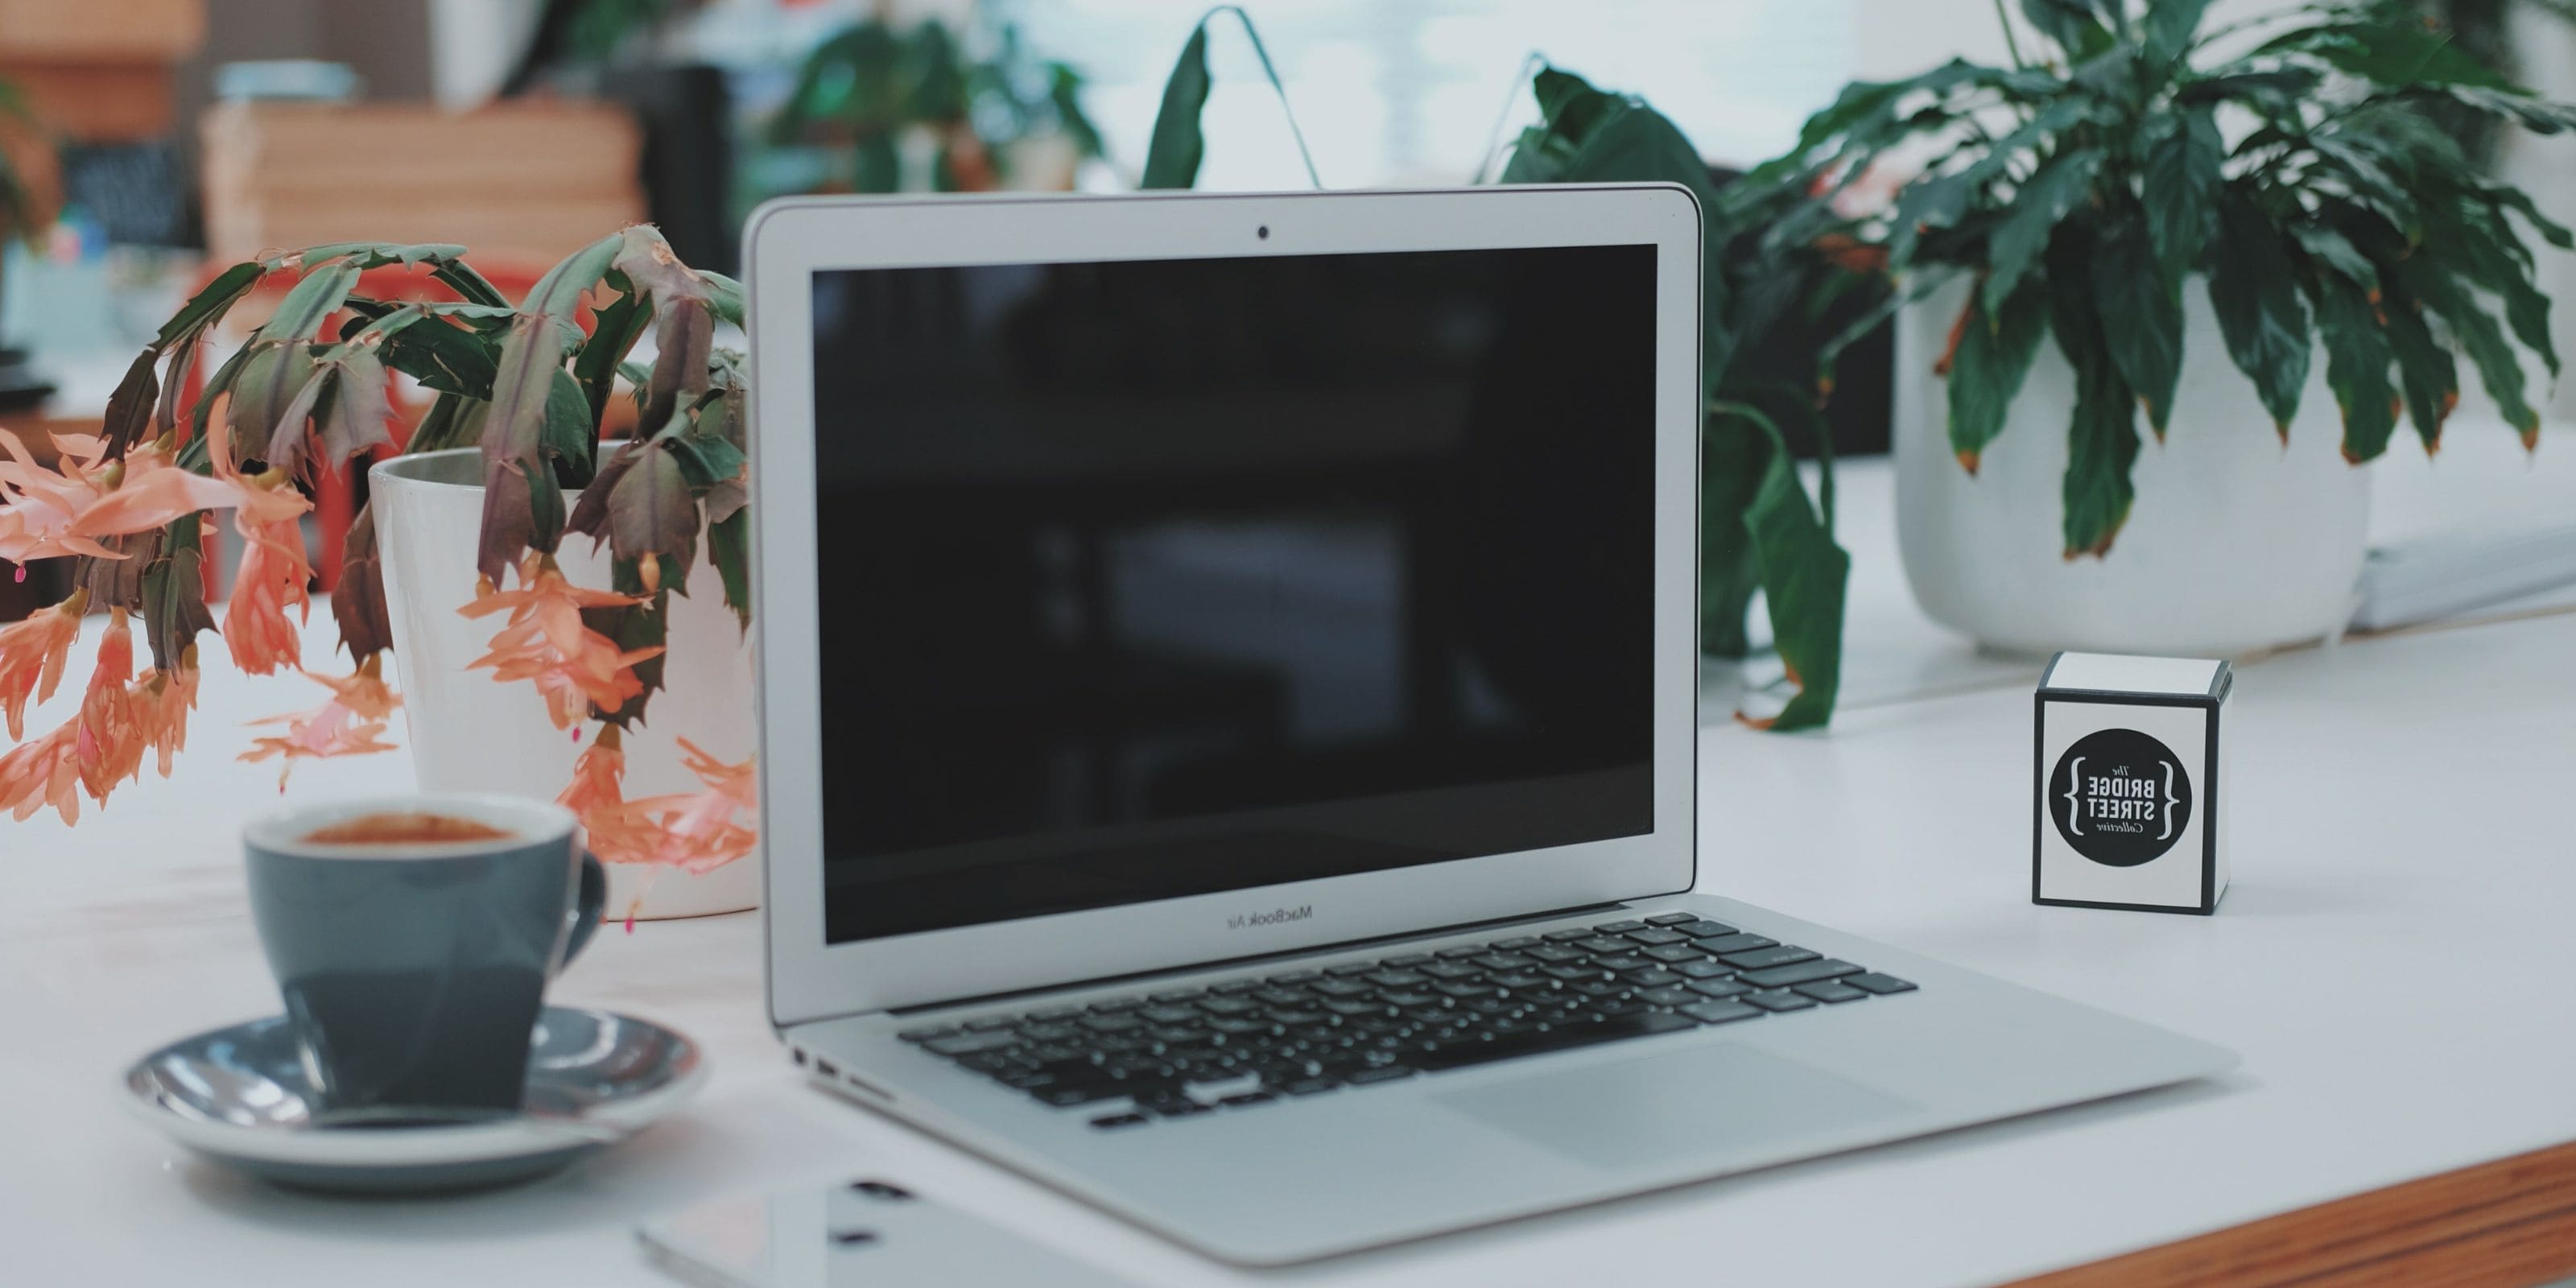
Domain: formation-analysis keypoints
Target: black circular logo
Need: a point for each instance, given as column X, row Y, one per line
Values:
column 2119, row 797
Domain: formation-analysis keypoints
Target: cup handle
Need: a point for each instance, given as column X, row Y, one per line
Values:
column 587, row 907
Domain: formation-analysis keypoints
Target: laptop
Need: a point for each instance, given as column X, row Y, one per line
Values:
column 1227, row 671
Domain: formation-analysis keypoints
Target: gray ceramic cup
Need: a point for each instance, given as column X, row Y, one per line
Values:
column 413, row 972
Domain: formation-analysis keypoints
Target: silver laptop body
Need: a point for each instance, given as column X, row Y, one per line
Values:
column 1227, row 701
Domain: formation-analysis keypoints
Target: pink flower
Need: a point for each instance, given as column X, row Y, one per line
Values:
column 272, row 575
column 161, row 706
column 32, row 653
column 350, row 724
column 37, row 774
column 575, row 667
column 110, row 745
column 49, row 513
column 694, row 831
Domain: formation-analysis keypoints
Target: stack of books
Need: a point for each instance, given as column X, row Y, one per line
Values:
column 523, row 183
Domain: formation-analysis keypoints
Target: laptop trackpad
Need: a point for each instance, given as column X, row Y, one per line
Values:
column 1676, row 1104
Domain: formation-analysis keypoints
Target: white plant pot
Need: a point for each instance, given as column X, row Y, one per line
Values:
column 2235, row 543
column 472, row 733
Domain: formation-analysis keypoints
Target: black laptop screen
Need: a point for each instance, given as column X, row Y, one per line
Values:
column 1150, row 579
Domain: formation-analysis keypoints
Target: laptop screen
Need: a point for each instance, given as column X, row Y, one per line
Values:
column 1162, row 578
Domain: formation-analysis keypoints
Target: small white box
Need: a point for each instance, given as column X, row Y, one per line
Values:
column 2130, row 801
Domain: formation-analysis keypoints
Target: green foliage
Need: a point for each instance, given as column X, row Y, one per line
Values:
column 1172, row 158
column 2097, row 175
column 864, row 86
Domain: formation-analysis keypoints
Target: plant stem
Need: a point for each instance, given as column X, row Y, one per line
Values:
column 2011, row 45
column 1258, row 51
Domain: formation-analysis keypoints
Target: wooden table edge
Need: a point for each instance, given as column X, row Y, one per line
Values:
column 2508, row 1223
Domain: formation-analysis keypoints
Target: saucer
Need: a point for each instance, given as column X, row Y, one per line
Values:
column 240, row 1095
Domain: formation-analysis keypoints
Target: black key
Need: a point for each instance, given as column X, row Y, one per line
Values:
column 1461, row 951
column 1830, row 990
column 1170, row 1014
column 1229, row 1005
column 1117, row 1044
column 1395, row 978
column 1247, row 1100
column 1566, row 936
column 1515, row 943
column 926, row 1033
column 1573, row 973
column 1803, row 972
column 1406, row 997
column 1054, row 1052
column 1721, row 1012
column 1112, row 1122
column 1618, row 927
column 1719, row 987
column 1027, row 1079
column 1612, row 1010
column 970, row 1043
column 1408, row 959
column 1501, row 961
column 1115, row 1005
column 1293, row 978
column 990, row 1061
column 1178, row 995
column 1048, row 1013
column 1110, row 1023
column 1520, row 981
column 1650, row 977
column 1352, row 1006
column 1782, row 1000
column 1707, row 929
column 992, row 1022
column 1308, row 1086
column 1671, row 918
column 1178, row 1034
column 1237, row 1026
column 1558, row 954
column 1292, row 1016
column 1461, row 1054
column 1078, row 1093
column 1342, row 988
column 1766, row 958
column 1739, row 942
column 1452, row 970
column 1284, row 996
column 1463, row 988
column 1874, row 982
column 1055, row 1032
column 1347, row 969
column 1605, row 944
column 1377, row 1073
column 1622, row 961
column 1701, row 968
column 1671, row 995
column 1234, row 986
column 1655, row 935
column 1177, row 1107
column 1675, row 954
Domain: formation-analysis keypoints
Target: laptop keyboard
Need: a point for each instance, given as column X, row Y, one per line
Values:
column 1257, row 1039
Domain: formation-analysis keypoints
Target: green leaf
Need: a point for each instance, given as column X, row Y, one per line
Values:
column 2070, row 23
column 356, row 417
column 650, row 511
column 559, row 292
column 300, row 315
column 2474, row 240
column 209, row 304
column 566, row 439
column 2256, row 297
column 2281, row 87
column 2140, row 308
column 129, row 408
column 705, row 459
column 174, row 595
column 2102, row 435
column 1804, row 577
column 725, row 296
column 268, row 390
column 613, row 333
column 358, row 602
column 2169, row 26
column 2053, row 191
column 1987, row 369
column 1730, row 472
column 2426, row 370
column 2499, row 368
column 522, row 504
column 2181, row 184
column 2337, row 252
column 633, row 627
column 729, row 552
column 2357, row 363
column 2398, row 54
column 2536, row 115
column 1172, row 156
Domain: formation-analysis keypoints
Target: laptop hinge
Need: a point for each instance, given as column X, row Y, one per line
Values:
column 1227, row 963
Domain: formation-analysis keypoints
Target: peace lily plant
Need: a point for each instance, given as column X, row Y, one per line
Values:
column 529, row 384
column 2288, row 166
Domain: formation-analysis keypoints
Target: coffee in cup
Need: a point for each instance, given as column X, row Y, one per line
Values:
column 413, row 939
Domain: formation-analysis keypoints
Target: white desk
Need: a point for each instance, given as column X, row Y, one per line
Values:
column 2393, row 963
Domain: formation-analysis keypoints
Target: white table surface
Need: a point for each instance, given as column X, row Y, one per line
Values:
column 2392, row 962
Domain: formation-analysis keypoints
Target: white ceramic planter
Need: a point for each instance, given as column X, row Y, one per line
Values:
column 471, row 733
column 2234, row 544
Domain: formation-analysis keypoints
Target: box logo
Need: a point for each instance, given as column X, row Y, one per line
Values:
column 2119, row 797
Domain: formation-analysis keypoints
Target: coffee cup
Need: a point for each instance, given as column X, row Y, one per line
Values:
column 413, row 938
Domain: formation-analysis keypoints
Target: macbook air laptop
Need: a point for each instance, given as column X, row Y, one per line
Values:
column 1227, row 671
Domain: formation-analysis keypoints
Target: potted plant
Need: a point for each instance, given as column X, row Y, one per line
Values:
column 985, row 122
column 2096, row 225
column 482, row 518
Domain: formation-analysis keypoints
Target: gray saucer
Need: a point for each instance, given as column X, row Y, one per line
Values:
column 239, row 1095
